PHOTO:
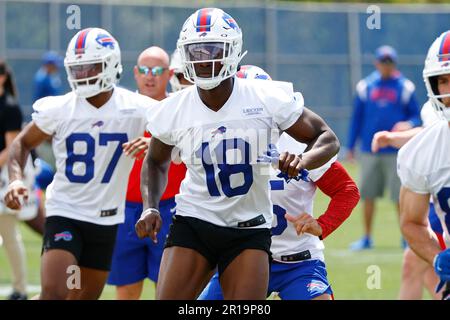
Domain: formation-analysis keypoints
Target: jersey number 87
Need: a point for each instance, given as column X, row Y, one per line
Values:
column 88, row 157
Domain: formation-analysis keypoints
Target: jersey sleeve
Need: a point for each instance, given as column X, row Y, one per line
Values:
column 409, row 178
column 45, row 115
column 284, row 105
column 158, row 124
column 317, row 173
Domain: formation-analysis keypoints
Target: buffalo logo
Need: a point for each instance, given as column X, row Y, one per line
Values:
column 98, row 124
column 230, row 21
column 105, row 41
column 65, row 235
column 220, row 130
column 316, row 286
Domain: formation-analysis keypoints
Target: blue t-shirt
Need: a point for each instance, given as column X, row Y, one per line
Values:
column 46, row 84
column 379, row 104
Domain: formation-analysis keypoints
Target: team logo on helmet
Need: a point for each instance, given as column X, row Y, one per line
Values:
column 230, row 21
column 105, row 41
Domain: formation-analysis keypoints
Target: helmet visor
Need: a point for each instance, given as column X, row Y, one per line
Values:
column 84, row 71
column 206, row 51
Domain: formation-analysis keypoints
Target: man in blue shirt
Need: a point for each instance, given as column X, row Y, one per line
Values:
column 384, row 100
column 47, row 81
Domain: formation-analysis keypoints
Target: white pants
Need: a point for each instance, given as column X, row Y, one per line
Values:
column 15, row 251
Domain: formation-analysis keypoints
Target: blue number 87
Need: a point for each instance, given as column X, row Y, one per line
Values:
column 88, row 157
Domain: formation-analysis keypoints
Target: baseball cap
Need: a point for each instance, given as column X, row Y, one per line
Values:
column 386, row 53
column 51, row 57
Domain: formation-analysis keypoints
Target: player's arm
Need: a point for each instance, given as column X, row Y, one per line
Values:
column 322, row 143
column 395, row 139
column 29, row 138
column 153, row 183
column 414, row 224
column 340, row 187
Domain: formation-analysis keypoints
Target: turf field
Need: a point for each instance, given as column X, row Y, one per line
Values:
column 347, row 271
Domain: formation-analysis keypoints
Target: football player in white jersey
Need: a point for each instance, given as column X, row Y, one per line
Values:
column 85, row 201
column 223, row 125
column 416, row 272
column 423, row 165
column 298, row 270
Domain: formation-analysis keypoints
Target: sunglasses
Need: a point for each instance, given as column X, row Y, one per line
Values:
column 156, row 71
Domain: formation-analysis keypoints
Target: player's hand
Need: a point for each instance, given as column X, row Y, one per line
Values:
column 136, row 148
column 290, row 163
column 305, row 223
column 402, row 126
column 380, row 140
column 15, row 193
column 441, row 265
column 149, row 224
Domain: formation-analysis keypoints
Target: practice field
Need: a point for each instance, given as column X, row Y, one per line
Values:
column 373, row 274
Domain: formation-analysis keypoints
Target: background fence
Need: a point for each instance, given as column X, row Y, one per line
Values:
column 324, row 49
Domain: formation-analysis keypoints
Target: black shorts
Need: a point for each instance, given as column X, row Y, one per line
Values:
column 91, row 244
column 219, row 245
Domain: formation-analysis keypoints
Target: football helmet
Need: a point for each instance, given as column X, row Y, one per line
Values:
column 252, row 72
column 177, row 67
column 210, row 36
column 92, row 62
column 437, row 63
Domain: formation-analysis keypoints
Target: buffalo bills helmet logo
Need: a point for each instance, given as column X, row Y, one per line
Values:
column 230, row 21
column 105, row 40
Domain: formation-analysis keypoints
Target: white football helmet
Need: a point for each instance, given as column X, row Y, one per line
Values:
column 252, row 72
column 90, row 50
column 210, row 36
column 437, row 63
column 177, row 66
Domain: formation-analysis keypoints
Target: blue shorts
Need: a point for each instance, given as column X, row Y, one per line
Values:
column 293, row 281
column 135, row 259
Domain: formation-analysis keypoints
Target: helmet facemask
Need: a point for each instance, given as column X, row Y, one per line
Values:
column 86, row 83
column 431, row 82
column 198, row 57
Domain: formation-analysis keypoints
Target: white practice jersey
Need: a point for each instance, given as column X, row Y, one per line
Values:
column 91, row 171
column 294, row 197
column 225, row 183
column 423, row 165
column 428, row 114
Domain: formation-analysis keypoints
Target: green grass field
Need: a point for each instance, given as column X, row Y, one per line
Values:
column 347, row 271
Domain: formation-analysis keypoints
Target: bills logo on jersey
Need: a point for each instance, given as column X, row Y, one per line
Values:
column 65, row 235
column 230, row 21
column 220, row 130
column 98, row 124
column 105, row 41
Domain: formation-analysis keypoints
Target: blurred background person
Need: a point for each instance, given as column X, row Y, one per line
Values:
column 385, row 101
column 10, row 126
column 47, row 82
column 136, row 259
